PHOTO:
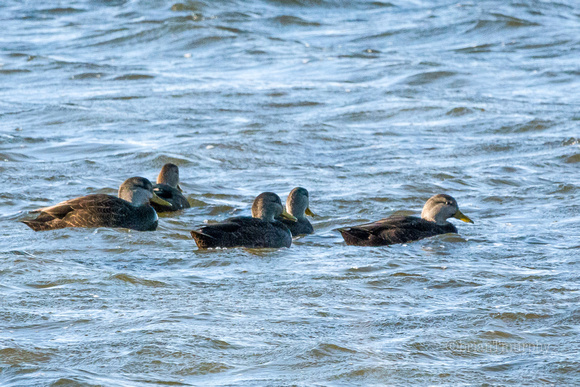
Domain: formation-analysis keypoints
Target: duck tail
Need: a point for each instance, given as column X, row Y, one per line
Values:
column 39, row 225
column 354, row 236
column 202, row 240
column 197, row 233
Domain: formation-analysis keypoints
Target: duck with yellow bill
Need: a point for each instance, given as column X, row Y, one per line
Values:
column 402, row 229
column 261, row 230
column 131, row 209
column 168, row 189
column 298, row 205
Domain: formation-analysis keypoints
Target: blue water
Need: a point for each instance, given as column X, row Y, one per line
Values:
column 373, row 107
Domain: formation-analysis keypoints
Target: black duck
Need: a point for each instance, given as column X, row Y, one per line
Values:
column 297, row 205
column 260, row 230
column 168, row 189
column 130, row 210
column 402, row 229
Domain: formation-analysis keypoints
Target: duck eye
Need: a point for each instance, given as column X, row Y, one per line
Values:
column 449, row 203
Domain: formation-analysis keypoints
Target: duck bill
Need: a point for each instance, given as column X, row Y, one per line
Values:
column 286, row 215
column 179, row 188
column 308, row 212
column 459, row 215
column 158, row 200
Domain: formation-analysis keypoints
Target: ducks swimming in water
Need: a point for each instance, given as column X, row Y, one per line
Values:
column 402, row 229
column 131, row 209
column 258, row 231
column 270, row 226
column 297, row 205
column 168, row 189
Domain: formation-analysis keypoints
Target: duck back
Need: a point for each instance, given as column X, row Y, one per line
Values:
column 392, row 230
column 95, row 211
column 243, row 232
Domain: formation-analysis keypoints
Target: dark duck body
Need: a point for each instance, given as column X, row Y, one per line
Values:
column 297, row 205
column 403, row 229
column 168, row 189
column 259, row 231
column 130, row 210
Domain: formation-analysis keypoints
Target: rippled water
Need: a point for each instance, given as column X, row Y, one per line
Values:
column 373, row 107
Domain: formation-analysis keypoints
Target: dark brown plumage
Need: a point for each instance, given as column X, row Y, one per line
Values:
column 168, row 189
column 259, row 231
column 402, row 229
column 130, row 210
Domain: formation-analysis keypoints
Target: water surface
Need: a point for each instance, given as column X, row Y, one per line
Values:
column 373, row 107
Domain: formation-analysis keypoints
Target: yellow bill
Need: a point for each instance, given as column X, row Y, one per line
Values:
column 158, row 200
column 308, row 212
column 459, row 215
column 288, row 216
column 179, row 188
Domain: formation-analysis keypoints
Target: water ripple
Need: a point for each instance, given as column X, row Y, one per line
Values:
column 373, row 107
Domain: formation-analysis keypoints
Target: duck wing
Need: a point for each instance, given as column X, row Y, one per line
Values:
column 88, row 211
column 242, row 232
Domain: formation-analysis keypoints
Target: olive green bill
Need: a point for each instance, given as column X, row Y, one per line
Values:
column 309, row 212
column 158, row 200
column 288, row 216
column 179, row 188
column 459, row 215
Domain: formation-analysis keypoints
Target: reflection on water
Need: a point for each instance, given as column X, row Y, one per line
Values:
column 373, row 107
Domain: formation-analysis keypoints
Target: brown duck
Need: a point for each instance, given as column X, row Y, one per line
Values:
column 259, row 230
column 402, row 229
column 168, row 189
column 297, row 205
column 131, row 209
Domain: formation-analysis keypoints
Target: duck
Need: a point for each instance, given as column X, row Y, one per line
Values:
column 297, row 205
column 131, row 209
column 261, row 230
column 403, row 229
column 168, row 189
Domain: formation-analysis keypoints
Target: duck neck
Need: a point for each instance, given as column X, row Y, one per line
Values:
column 435, row 216
column 297, row 211
column 265, row 217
